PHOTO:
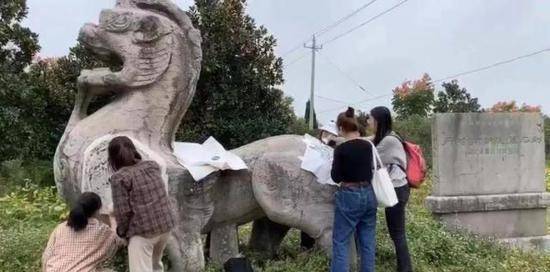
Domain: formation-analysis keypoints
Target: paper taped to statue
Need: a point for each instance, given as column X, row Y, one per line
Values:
column 204, row 159
column 317, row 159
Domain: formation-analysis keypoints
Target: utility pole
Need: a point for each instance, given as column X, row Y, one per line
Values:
column 313, row 48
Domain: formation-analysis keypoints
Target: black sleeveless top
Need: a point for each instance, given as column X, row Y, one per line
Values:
column 352, row 162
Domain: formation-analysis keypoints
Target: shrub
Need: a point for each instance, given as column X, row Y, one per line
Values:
column 27, row 216
column 414, row 97
column 417, row 129
column 20, row 173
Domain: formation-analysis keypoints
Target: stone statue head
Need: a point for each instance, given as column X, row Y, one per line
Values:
column 141, row 33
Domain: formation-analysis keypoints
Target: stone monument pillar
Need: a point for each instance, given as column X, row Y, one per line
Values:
column 489, row 176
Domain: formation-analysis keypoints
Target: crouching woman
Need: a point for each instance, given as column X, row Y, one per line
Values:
column 82, row 243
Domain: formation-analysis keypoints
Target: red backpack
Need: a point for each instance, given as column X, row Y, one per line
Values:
column 416, row 164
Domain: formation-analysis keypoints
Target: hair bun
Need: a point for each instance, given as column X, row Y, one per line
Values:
column 350, row 112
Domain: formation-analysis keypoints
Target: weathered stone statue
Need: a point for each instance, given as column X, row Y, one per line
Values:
column 161, row 53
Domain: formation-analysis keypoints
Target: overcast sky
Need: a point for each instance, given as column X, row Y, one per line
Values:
column 440, row 37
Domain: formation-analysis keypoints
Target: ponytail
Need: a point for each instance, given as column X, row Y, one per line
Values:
column 77, row 218
column 86, row 206
column 347, row 121
column 350, row 112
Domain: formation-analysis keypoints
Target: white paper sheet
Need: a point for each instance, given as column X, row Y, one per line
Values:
column 203, row 160
column 317, row 159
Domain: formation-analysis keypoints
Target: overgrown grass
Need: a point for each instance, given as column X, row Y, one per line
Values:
column 29, row 213
column 27, row 216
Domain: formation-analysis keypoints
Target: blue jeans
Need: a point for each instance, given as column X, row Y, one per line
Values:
column 355, row 211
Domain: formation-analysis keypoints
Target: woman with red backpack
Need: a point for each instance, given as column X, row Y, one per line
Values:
column 394, row 157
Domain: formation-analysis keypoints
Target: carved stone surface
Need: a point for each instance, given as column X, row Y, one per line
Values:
column 224, row 244
column 274, row 186
column 489, row 175
column 487, row 153
column 161, row 53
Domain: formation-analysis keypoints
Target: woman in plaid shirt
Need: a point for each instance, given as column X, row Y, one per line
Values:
column 141, row 205
column 83, row 243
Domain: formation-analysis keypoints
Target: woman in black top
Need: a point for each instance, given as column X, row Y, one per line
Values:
column 355, row 202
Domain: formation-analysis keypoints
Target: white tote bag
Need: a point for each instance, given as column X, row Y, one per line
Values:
column 381, row 181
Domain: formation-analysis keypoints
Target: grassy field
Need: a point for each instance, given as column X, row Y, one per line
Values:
column 28, row 213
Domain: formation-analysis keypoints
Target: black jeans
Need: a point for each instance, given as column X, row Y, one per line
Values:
column 395, row 219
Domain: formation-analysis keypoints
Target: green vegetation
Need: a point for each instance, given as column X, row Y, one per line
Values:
column 417, row 129
column 238, row 83
column 29, row 212
column 27, row 215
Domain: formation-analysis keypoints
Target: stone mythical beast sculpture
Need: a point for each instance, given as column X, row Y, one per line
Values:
column 161, row 55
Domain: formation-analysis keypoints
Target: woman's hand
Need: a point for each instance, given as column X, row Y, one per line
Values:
column 104, row 218
column 112, row 221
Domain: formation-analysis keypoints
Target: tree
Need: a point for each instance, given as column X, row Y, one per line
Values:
column 236, row 100
column 18, row 44
column 414, row 97
column 35, row 108
column 512, row 106
column 455, row 99
column 306, row 116
column 36, row 104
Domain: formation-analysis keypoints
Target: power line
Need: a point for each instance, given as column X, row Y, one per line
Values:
column 343, row 19
column 346, row 75
column 329, row 27
column 366, row 22
column 332, row 99
column 294, row 49
column 355, row 104
column 492, row 65
column 472, row 71
column 294, row 61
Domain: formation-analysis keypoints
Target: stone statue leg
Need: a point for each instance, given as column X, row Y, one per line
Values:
column 291, row 197
column 224, row 243
column 267, row 236
column 185, row 251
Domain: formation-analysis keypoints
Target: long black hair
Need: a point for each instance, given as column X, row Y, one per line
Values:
column 382, row 115
column 87, row 205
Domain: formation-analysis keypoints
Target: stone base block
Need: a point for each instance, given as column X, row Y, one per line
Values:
column 539, row 243
column 498, row 216
column 483, row 203
column 499, row 224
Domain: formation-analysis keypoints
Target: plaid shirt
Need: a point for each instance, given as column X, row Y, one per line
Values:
column 140, row 199
column 83, row 251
